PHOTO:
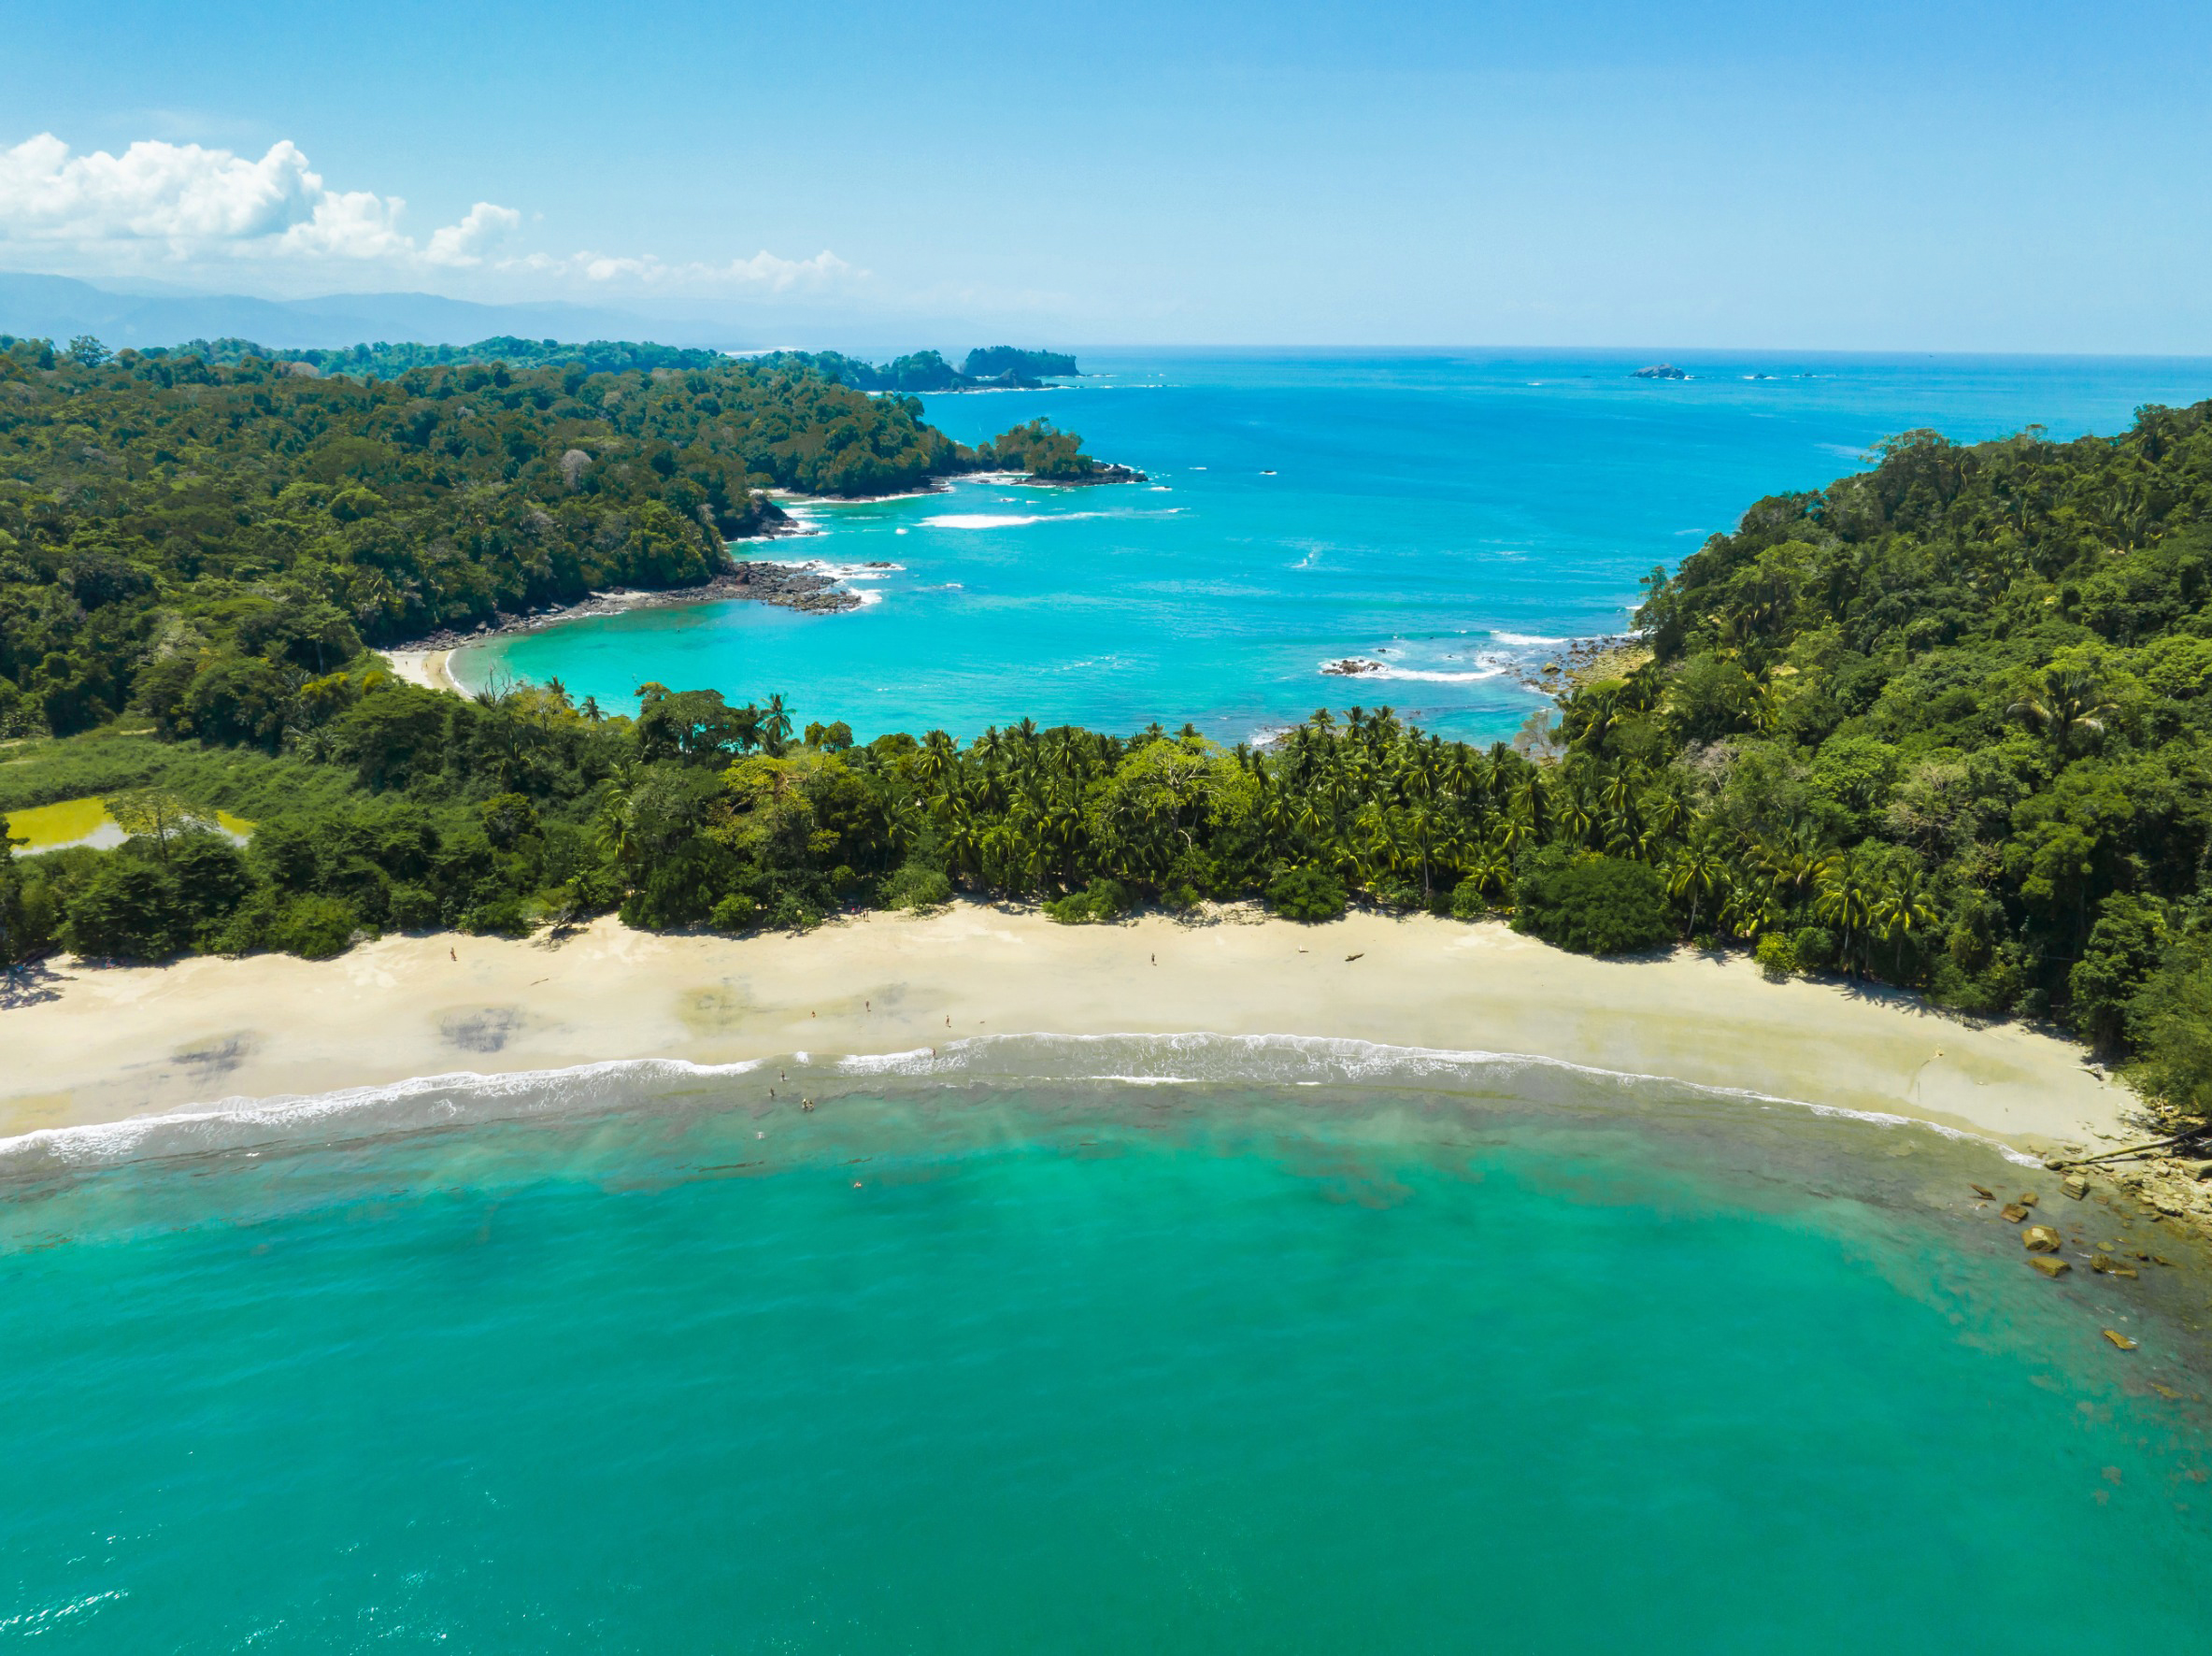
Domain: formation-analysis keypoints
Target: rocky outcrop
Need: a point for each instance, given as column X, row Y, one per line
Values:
column 1104, row 472
column 792, row 586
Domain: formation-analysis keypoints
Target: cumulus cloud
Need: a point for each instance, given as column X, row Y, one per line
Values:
column 179, row 204
column 482, row 229
column 152, row 192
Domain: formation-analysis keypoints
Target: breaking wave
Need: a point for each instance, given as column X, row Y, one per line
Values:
column 993, row 1062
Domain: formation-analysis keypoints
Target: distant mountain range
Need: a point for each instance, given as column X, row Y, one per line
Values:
column 59, row 308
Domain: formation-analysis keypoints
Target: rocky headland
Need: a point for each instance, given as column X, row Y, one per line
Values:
column 1106, row 472
column 793, row 585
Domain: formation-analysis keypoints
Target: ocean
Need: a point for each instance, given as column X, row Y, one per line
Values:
column 1451, row 519
column 1171, row 1345
column 1174, row 1346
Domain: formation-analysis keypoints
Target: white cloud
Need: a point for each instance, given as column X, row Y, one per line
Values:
column 483, row 228
column 177, row 205
column 153, row 190
column 764, row 271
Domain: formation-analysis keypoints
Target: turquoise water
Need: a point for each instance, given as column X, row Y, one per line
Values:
column 967, row 1362
column 1450, row 518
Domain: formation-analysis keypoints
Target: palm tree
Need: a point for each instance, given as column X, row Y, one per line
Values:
column 1491, row 868
column 1902, row 909
column 1793, row 862
column 2069, row 706
column 776, row 725
column 936, row 760
column 1848, row 890
column 1696, row 873
column 1575, row 819
column 1750, row 907
column 617, row 818
column 1534, row 807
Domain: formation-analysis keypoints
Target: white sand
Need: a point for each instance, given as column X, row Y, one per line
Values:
column 122, row 1041
column 426, row 667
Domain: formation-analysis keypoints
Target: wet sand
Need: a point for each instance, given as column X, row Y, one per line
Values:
column 110, row 1042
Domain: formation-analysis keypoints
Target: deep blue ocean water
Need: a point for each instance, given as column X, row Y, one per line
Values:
column 1449, row 517
column 1049, row 1365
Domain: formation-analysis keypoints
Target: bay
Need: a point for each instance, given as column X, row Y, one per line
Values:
column 1452, row 517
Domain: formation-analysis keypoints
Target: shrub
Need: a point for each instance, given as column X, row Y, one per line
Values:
column 129, row 910
column 792, row 912
column 1469, row 901
column 2170, row 1020
column 1306, row 893
column 1104, row 900
column 1815, row 948
column 1776, row 956
column 1592, row 905
column 737, row 913
column 498, row 916
column 917, row 887
column 314, row 928
column 413, row 909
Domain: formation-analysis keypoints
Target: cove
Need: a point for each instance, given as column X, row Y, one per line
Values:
column 1452, row 517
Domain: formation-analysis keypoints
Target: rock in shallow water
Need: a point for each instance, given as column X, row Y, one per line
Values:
column 2049, row 1265
column 2040, row 1240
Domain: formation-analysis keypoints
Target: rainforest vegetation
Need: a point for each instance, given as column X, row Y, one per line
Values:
column 192, row 539
column 998, row 367
column 1944, row 725
column 388, row 361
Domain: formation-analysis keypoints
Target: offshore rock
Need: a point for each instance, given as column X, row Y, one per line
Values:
column 2040, row 1240
column 2049, row 1265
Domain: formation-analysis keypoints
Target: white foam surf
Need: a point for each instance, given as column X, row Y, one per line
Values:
column 1195, row 1059
column 1370, row 668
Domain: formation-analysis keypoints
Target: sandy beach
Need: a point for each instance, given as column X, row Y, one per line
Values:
column 110, row 1042
column 426, row 667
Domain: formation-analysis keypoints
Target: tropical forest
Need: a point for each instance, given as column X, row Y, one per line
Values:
column 1945, row 725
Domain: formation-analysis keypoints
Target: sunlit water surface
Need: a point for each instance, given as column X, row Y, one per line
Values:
column 1449, row 518
column 966, row 1360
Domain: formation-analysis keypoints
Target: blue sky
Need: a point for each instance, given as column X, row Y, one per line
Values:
column 2023, row 176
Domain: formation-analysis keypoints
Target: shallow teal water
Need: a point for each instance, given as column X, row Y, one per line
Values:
column 1078, row 1367
column 1448, row 517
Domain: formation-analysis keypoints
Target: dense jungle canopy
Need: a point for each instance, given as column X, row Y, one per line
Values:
column 1945, row 723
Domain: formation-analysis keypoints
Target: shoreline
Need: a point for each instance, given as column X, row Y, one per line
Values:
column 424, row 667
column 797, row 585
column 807, row 585
column 96, row 1045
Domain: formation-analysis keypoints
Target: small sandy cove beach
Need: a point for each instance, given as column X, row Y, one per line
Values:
column 426, row 667
column 109, row 1042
